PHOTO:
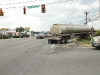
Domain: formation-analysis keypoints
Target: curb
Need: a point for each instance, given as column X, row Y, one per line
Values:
column 83, row 43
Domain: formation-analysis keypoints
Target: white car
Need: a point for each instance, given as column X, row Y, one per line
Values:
column 95, row 42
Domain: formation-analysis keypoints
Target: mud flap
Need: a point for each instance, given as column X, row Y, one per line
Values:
column 49, row 41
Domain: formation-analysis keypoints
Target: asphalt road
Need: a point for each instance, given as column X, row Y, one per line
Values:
column 29, row 56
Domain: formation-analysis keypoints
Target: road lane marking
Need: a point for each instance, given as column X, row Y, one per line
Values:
column 52, row 46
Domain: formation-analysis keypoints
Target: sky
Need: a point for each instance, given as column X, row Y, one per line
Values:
column 57, row 12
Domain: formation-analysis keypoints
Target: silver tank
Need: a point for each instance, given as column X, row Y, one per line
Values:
column 69, row 28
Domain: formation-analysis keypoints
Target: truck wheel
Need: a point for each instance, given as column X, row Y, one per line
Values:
column 67, row 40
column 58, row 41
column 98, row 47
column 49, row 41
column 63, row 40
column 37, row 37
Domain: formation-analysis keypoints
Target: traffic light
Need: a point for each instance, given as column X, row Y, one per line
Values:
column 43, row 9
column 24, row 9
column 1, row 12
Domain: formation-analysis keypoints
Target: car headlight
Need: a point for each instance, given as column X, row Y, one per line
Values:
column 95, row 39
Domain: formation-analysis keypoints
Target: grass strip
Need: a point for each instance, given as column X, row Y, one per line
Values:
column 85, row 41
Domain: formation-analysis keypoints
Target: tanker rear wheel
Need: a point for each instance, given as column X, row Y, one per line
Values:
column 58, row 41
column 66, row 40
column 63, row 40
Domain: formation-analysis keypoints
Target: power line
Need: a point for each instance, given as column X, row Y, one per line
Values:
column 40, row 5
column 97, row 17
column 35, row 1
column 93, row 15
column 94, row 19
column 90, row 9
column 92, row 4
column 19, row 2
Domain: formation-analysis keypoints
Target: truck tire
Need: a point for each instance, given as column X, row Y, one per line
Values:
column 97, row 47
column 37, row 37
column 58, row 41
column 63, row 40
column 67, row 40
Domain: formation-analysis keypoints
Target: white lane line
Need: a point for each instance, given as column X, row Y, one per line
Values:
column 52, row 46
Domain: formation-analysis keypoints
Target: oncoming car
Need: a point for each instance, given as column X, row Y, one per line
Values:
column 39, row 36
column 95, row 42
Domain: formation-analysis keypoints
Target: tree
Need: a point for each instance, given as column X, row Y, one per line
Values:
column 97, row 33
column 19, row 29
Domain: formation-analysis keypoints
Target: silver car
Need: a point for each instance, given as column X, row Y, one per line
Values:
column 39, row 36
column 95, row 42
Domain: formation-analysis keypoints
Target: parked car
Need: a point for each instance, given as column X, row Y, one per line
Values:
column 95, row 42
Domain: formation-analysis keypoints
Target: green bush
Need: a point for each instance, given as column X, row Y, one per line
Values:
column 88, row 37
column 85, row 40
column 0, row 37
column 4, row 37
column 97, row 33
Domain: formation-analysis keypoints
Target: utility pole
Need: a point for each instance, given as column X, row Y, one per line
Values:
column 86, row 16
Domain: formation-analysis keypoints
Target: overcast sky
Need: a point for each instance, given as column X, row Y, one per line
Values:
column 57, row 12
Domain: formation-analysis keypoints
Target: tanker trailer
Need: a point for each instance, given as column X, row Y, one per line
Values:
column 61, row 33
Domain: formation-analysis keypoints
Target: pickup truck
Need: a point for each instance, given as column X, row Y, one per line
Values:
column 95, row 42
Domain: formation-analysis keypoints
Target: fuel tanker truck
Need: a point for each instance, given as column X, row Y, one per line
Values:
column 61, row 33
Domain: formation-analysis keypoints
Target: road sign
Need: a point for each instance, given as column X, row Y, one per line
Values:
column 36, row 6
column 25, row 31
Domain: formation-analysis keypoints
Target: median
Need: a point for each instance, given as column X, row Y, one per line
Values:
column 85, row 41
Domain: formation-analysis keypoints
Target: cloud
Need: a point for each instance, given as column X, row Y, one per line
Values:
column 95, row 24
column 57, row 11
column 87, row 2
